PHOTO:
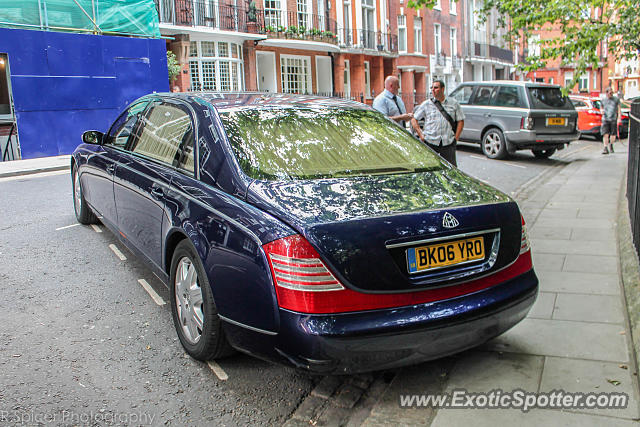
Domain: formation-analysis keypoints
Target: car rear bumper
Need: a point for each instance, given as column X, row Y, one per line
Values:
column 530, row 139
column 594, row 130
column 382, row 339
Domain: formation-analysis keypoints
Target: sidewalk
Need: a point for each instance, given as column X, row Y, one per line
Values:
column 42, row 164
column 576, row 337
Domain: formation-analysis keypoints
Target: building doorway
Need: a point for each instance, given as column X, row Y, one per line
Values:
column 266, row 71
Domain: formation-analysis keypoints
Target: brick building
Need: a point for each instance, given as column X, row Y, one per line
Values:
column 342, row 48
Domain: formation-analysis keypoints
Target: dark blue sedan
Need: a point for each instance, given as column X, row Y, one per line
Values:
column 305, row 230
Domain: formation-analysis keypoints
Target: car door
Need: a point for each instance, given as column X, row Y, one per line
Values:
column 100, row 167
column 143, row 178
column 478, row 111
column 462, row 94
column 510, row 109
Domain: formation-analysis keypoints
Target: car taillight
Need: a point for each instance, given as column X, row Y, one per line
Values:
column 524, row 238
column 304, row 284
column 526, row 123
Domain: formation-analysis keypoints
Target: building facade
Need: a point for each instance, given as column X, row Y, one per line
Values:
column 342, row 48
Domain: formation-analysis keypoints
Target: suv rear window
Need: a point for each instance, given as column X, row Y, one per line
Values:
column 548, row 97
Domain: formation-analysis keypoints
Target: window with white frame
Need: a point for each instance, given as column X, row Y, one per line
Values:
column 437, row 39
column 534, row 45
column 303, row 13
column 216, row 66
column 346, row 16
column 368, row 24
column 583, row 83
column 568, row 76
column 320, row 8
column 367, row 79
column 453, row 10
column 438, row 5
column 402, row 33
column 295, row 74
column 605, row 49
column 453, row 42
column 594, row 79
column 272, row 13
column 417, row 34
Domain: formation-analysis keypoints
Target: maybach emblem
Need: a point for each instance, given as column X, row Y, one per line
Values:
column 449, row 221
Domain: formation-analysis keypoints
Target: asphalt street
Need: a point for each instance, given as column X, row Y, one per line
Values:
column 83, row 335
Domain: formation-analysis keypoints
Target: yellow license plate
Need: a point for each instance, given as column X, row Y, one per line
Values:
column 555, row 121
column 445, row 254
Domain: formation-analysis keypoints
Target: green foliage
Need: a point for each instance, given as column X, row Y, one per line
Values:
column 581, row 30
column 173, row 66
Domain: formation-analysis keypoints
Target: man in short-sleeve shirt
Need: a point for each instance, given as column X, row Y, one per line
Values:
column 437, row 131
column 610, row 117
column 390, row 104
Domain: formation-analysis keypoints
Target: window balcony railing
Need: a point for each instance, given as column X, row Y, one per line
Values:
column 365, row 39
column 456, row 62
column 500, row 53
column 440, row 59
column 205, row 13
column 301, row 26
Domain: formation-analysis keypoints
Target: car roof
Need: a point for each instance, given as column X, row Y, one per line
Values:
column 511, row 83
column 228, row 101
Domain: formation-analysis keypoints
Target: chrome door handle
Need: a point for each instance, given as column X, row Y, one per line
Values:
column 157, row 193
column 111, row 169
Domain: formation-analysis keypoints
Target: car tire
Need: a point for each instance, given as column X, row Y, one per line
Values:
column 580, row 136
column 195, row 314
column 544, row 154
column 84, row 215
column 494, row 145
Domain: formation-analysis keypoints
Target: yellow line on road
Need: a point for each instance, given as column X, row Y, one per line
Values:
column 116, row 251
column 147, row 287
column 220, row 373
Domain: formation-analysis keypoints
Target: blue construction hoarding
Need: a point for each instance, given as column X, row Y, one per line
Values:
column 66, row 83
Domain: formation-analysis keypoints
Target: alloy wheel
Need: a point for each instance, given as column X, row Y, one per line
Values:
column 189, row 302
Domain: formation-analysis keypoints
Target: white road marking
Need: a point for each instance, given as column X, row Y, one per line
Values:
column 514, row 165
column 222, row 375
column 67, row 226
column 157, row 298
column 96, row 228
column 116, row 251
column 478, row 157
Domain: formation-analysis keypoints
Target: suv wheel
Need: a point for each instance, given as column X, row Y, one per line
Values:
column 494, row 146
column 543, row 154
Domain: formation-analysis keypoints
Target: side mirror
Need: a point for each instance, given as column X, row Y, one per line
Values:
column 92, row 137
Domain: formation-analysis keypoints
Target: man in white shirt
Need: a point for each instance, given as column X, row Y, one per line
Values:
column 390, row 104
column 440, row 132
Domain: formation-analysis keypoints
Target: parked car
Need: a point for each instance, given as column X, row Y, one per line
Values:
column 625, row 111
column 506, row 116
column 305, row 230
column 589, row 110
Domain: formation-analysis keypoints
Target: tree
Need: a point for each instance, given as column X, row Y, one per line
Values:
column 173, row 66
column 583, row 26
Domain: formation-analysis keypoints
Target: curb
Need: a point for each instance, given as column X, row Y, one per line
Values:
column 34, row 171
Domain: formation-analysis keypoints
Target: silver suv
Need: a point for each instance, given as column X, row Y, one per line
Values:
column 505, row 116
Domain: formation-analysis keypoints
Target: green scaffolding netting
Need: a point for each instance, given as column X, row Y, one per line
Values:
column 126, row 17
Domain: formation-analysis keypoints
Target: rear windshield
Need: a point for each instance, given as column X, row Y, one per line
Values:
column 288, row 143
column 548, row 97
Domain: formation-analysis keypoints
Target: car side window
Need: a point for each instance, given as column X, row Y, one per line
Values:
column 483, row 95
column 165, row 134
column 121, row 129
column 462, row 94
column 508, row 96
column 578, row 104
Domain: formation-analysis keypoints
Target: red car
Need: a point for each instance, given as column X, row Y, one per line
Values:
column 589, row 114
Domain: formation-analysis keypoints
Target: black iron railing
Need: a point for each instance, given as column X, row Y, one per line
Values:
column 633, row 173
column 205, row 13
column 302, row 26
column 365, row 39
column 500, row 53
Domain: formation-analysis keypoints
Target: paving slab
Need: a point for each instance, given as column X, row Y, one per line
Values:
column 549, row 232
column 514, row 417
column 548, row 262
column 605, row 223
column 581, row 283
column 586, row 376
column 561, row 338
column 480, row 371
column 543, row 308
column 592, row 234
column 583, row 247
column 589, row 308
column 591, row 264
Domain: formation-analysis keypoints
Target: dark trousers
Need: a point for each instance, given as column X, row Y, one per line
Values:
column 447, row 152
